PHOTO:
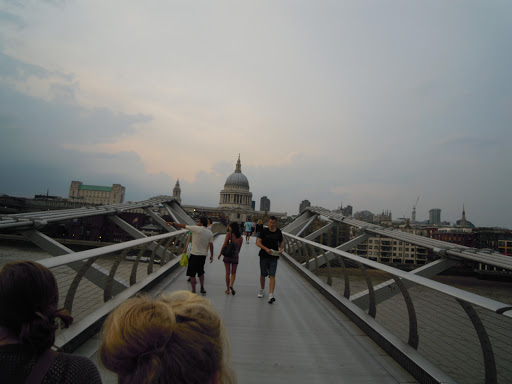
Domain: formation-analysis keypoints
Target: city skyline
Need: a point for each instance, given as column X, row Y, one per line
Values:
column 363, row 103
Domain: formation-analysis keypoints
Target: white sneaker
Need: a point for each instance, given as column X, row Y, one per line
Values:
column 262, row 293
column 271, row 298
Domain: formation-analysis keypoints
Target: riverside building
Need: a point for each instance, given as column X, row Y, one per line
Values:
column 96, row 194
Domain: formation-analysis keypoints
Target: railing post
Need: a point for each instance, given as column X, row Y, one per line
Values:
column 133, row 275
column 485, row 343
column 107, row 292
column 70, row 296
column 372, row 310
column 413, row 322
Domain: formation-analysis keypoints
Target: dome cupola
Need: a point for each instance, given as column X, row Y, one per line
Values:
column 236, row 190
column 237, row 178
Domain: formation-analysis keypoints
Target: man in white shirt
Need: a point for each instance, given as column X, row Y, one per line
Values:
column 202, row 239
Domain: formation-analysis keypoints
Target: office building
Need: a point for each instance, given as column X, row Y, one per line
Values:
column 264, row 204
column 434, row 216
column 303, row 205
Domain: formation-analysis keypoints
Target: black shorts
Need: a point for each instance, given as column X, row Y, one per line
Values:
column 196, row 265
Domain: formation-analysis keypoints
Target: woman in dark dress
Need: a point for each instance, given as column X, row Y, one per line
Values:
column 231, row 262
column 28, row 321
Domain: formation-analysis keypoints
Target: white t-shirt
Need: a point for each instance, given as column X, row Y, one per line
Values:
column 201, row 239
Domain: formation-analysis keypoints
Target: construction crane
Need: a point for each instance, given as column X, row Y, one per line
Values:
column 414, row 210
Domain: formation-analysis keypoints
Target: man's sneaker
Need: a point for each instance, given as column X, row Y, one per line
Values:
column 271, row 298
column 202, row 290
column 262, row 293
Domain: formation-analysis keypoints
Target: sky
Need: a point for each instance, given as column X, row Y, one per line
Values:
column 367, row 103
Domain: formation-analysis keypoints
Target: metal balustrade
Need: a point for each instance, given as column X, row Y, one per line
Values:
column 465, row 335
column 133, row 264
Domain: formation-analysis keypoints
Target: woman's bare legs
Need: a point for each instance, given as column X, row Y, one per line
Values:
column 233, row 277
column 226, row 266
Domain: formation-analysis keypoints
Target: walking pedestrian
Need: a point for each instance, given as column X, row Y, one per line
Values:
column 259, row 228
column 202, row 239
column 231, row 262
column 188, row 247
column 248, row 230
column 271, row 244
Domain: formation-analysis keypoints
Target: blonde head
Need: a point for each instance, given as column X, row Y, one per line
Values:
column 177, row 338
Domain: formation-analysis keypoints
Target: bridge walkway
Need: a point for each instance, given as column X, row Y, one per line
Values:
column 301, row 338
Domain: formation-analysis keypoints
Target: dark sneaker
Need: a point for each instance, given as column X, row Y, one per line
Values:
column 202, row 290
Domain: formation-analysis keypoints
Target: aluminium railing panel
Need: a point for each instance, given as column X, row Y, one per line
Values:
column 132, row 262
column 465, row 335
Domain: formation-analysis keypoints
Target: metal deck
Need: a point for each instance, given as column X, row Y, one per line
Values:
column 301, row 338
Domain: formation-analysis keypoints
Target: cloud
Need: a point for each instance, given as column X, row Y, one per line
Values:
column 357, row 102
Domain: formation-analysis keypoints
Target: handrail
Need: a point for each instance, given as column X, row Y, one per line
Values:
column 489, row 304
column 34, row 219
column 441, row 247
column 66, row 259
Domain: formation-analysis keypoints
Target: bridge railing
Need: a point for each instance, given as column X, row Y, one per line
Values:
column 93, row 282
column 438, row 332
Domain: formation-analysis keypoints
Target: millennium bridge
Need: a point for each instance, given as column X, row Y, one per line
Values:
column 339, row 317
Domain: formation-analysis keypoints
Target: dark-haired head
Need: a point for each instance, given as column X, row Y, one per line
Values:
column 235, row 229
column 28, row 304
column 204, row 221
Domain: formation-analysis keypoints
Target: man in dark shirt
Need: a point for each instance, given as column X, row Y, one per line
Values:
column 271, row 244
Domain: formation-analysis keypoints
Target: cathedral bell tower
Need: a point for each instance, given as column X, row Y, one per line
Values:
column 176, row 192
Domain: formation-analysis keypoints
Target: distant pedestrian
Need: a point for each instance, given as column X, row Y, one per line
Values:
column 202, row 239
column 248, row 230
column 271, row 244
column 259, row 228
column 231, row 262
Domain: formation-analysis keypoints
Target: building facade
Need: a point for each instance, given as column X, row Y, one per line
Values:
column 176, row 191
column 236, row 202
column 303, row 205
column 264, row 204
column 434, row 216
column 95, row 194
column 236, row 193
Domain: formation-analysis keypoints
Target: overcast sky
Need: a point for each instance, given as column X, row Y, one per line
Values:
column 367, row 103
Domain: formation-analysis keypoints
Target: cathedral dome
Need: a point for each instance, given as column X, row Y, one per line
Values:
column 236, row 193
column 237, row 180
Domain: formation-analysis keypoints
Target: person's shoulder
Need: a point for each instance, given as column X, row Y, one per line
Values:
column 207, row 231
column 78, row 369
column 77, row 360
